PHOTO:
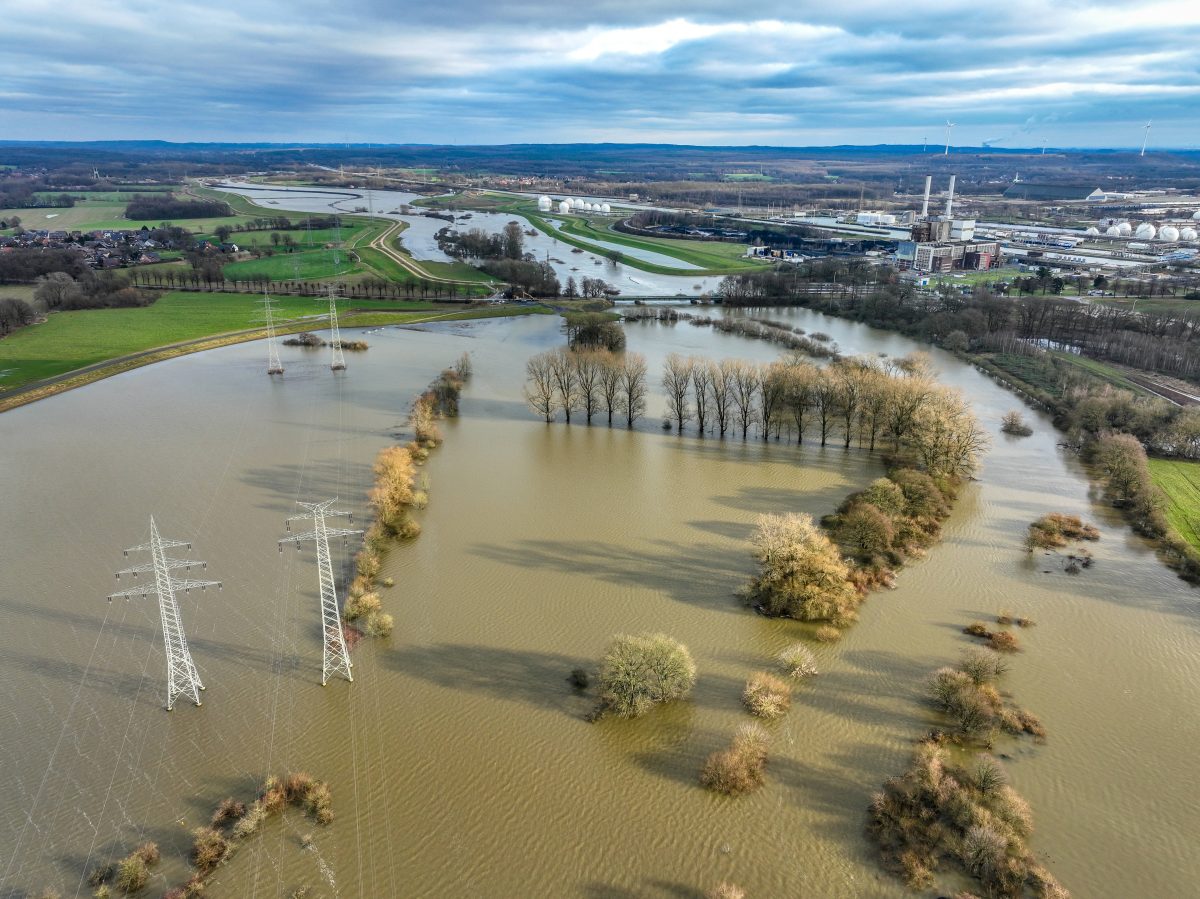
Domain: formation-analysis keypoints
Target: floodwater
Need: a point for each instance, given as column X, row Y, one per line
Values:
column 420, row 237
column 459, row 759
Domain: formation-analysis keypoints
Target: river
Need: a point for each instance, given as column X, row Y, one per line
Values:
column 420, row 240
column 459, row 759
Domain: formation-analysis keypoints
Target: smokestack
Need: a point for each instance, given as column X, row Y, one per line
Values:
column 950, row 197
column 925, row 205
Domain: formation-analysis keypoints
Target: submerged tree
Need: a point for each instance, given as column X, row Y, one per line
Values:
column 641, row 671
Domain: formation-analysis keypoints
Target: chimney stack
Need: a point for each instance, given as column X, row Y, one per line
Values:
column 950, row 197
column 925, row 205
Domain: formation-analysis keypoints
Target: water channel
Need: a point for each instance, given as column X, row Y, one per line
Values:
column 459, row 759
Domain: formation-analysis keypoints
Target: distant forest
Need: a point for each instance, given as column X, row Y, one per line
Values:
column 164, row 207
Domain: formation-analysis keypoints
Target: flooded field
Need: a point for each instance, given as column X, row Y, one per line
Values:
column 459, row 759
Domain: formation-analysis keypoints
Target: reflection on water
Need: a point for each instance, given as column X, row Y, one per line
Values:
column 459, row 759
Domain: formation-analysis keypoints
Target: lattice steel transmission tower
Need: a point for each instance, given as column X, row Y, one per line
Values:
column 336, row 657
column 182, row 677
column 274, row 366
column 337, row 361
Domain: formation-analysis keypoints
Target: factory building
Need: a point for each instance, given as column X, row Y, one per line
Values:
column 944, row 243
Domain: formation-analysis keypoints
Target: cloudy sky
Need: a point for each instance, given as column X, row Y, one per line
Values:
column 1013, row 73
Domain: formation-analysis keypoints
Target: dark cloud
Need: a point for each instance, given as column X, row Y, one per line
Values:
column 1073, row 73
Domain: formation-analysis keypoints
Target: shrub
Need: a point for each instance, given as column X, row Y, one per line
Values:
column 801, row 573
column 132, row 874
column 101, row 875
column 367, row 563
column 1003, row 641
column 249, row 823
column 977, row 629
column 638, row 672
column 1025, row 622
column 982, row 666
column 318, row 802
column 797, row 661
column 102, row 892
column 1014, row 423
column 389, row 582
column 379, row 624
column 742, row 767
column 827, row 634
column 209, row 848
column 392, row 494
column 767, row 696
column 361, row 606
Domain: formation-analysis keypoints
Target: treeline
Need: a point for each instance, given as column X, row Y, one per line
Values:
column 210, row 277
column 31, row 194
column 592, row 381
column 164, row 206
column 59, row 292
column 23, row 265
column 787, row 336
column 15, row 313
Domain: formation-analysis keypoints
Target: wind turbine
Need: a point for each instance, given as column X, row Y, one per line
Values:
column 949, row 125
column 1146, row 139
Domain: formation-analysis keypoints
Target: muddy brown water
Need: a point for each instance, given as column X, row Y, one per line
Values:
column 459, row 759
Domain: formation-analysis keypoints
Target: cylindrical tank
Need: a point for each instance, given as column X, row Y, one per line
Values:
column 544, row 204
column 604, row 207
column 1092, row 231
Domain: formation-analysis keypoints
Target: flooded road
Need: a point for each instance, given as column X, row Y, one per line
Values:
column 459, row 760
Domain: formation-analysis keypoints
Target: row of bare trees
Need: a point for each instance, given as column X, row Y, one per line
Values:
column 854, row 398
column 588, row 381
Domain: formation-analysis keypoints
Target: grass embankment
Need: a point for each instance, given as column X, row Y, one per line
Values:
column 178, row 324
column 1180, row 482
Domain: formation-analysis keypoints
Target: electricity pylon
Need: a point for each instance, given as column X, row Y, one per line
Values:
column 337, row 361
column 274, row 366
column 182, row 677
column 336, row 659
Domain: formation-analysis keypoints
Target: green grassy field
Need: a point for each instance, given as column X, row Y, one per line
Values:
column 989, row 277
column 106, row 210
column 17, row 291
column 1163, row 305
column 306, row 265
column 304, row 239
column 70, row 340
column 1180, row 481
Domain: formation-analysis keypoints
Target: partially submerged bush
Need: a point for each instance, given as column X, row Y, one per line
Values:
column 209, row 848
column 1057, row 529
column 249, row 823
column 726, row 890
column 1014, row 423
column 640, row 671
column 742, row 767
column 361, row 606
column 937, row 813
column 801, row 573
column 797, row 661
column 132, row 874
column 379, row 624
column 827, row 634
column 968, row 696
column 767, row 696
column 1003, row 641
column 226, row 811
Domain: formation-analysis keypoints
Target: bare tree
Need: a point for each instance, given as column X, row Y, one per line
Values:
column 539, row 386
column 720, row 381
column 798, row 396
column 610, row 383
column 702, row 375
column 847, row 375
column 587, row 376
column 677, row 379
column 633, row 387
column 825, row 398
column 771, row 391
column 566, row 380
column 745, row 388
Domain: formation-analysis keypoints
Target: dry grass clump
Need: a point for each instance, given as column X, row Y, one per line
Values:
column 797, row 661
column 827, row 634
column 133, row 871
column 742, row 767
column 726, row 890
column 1004, row 641
column 977, row 629
column 1014, row 423
column 1056, row 530
column 967, row 694
column 389, row 582
column 250, row 821
column 937, row 814
column 353, row 345
column 642, row 671
column 227, row 810
column 767, row 696
column 101, row 875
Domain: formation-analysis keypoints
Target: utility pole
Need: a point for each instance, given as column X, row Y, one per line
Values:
column 182, row 677
column 274, row 366
column 336, row 658
column 337, row 361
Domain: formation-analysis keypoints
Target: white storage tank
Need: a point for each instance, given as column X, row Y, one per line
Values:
column 1188, row 234
column 1092, row 231
column 564, row 207
column 604, row 207
column 544, row 204
column 1113, row 231
column 1196, row 216
column 1145, row 231
column 1168, row 232
column 1124, row 228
